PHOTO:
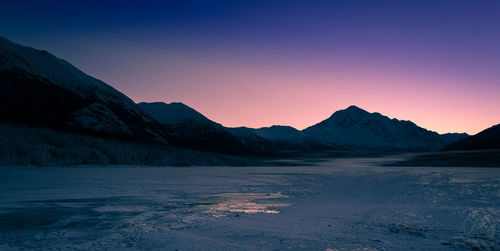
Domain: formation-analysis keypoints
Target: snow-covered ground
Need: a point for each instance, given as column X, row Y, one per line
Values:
column 340, row 204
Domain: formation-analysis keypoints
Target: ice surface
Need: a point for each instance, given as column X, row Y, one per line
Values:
column 341, row 204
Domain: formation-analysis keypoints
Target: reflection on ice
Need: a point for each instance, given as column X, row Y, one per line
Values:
column 249, row 203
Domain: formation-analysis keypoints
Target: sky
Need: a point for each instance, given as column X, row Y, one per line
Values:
column 261, row 63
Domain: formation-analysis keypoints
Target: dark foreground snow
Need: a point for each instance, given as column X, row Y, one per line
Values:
column 341, row 204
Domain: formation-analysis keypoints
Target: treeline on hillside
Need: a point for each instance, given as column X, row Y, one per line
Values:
column 23, row 145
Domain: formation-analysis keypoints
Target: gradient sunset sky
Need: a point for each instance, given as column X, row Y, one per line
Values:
column 260, row 63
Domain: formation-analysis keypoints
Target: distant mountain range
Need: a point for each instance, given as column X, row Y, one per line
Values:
column 449, row 138
column 41, row 90
column 197, row 131
column 352, row 128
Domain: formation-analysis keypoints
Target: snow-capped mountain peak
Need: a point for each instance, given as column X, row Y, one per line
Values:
column 356, row 127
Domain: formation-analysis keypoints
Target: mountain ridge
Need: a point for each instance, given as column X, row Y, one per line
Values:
column 201, row 133
column 41, row 89
column 484, row 140
column 356, row 127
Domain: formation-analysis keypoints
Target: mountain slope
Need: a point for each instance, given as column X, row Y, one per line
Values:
column 198, row 131
column 250, row 138
column 449, row 138
column 40, row 89
column 281, row 134
column 173, row 113
column 487, row 139
column 357, row 128
column 291, row 139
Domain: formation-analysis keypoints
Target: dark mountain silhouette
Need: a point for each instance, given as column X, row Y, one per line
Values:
column 290, row 139
column 249, row 137
column 357, row 128
column 487, row 139
column 175, row 112
column 199, row 132
column 40, row 89
column 449, row 138
column 352, row 128
column 202, row 133
column 281, row 134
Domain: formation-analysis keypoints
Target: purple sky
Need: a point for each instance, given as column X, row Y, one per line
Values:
column 259, row 63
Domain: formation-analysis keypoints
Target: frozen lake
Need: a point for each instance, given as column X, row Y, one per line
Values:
column 339, row 204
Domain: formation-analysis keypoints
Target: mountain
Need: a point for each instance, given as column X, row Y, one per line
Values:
column 281, row 134
column 199, row 132
column 175, row 112
column 187, row 121
column 250, row 138
column 278, row 139
column 290, row 139
column 449, row 138
column 487, row 139
column 39, row 89
column 359, row 129
column 352, row 128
